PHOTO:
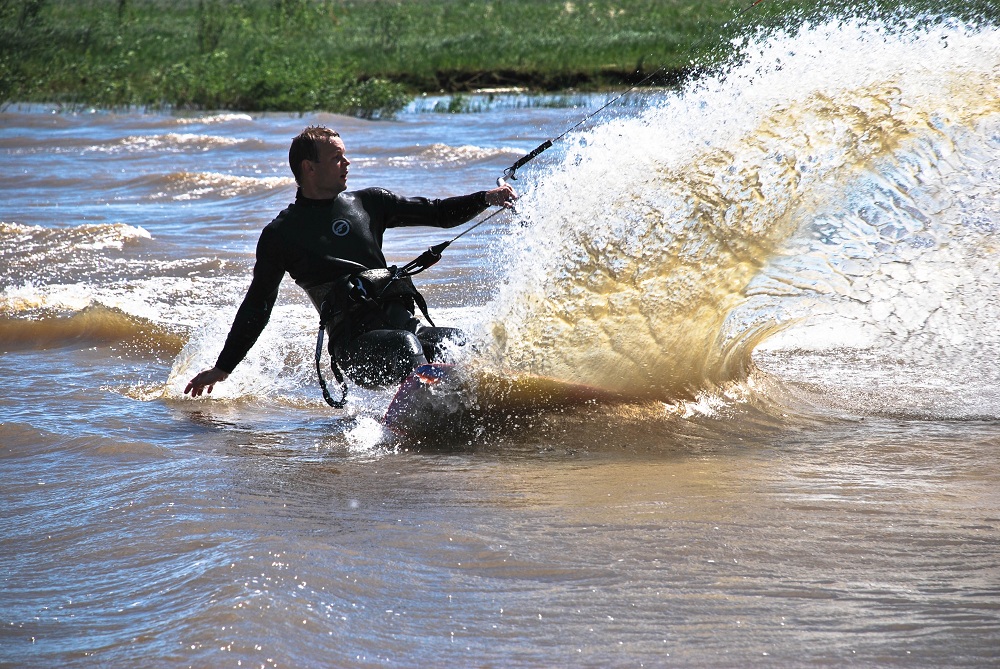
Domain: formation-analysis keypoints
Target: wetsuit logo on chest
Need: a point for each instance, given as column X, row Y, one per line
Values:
column 341, row 227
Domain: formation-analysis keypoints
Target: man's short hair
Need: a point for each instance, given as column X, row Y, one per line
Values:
column 306, row 147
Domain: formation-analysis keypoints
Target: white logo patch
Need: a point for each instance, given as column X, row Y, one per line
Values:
column 341, row 227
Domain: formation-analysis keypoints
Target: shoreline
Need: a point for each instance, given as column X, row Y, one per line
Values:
column 536, row 82
column 364, row 58
column 370, row 59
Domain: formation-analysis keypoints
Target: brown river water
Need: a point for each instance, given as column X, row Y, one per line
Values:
column 793, row 268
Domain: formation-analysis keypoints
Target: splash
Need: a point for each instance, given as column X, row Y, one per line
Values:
column 830, row 172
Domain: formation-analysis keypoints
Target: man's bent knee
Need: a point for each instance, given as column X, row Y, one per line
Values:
column 382, row 357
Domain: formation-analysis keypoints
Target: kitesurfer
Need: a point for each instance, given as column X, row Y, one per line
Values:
column 330, row 242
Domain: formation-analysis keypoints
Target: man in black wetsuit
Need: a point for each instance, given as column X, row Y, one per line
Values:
column 325, row 240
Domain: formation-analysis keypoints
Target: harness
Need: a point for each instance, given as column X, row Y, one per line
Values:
column 354, row 305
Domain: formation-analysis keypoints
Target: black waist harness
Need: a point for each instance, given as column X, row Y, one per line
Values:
column 354, row 305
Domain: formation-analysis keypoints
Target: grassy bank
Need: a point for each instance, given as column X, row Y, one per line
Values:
column 362, row 57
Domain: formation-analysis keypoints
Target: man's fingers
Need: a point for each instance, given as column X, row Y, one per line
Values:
column 205, row 382
column 195, row 388
column 503, row 196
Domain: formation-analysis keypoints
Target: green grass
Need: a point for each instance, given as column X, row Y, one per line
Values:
column 366, row 57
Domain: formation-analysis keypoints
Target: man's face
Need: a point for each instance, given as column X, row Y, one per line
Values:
column 329, row 171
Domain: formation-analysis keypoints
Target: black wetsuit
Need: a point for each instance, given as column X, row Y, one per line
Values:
column 310, row 240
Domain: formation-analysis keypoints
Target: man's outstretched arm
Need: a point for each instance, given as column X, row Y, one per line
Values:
column 249, row 322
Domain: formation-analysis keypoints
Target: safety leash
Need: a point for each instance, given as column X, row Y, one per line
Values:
column 337, row 374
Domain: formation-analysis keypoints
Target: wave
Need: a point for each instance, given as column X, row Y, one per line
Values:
column 440, row 155
column 35, row 253
column 94, row 325
column 828, row 192
column 830, row 182
column 132, row 144
column 182, row 186
column 16, row 236
column 208, row 119
column 171, row 142
column 166, row 143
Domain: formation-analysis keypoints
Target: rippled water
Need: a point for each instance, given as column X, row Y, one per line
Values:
column 792, row 270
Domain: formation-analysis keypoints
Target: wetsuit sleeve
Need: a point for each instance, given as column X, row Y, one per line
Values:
column 444, row 213
column 255, row 311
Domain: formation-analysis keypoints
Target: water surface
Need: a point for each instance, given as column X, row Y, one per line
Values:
column 792, row 269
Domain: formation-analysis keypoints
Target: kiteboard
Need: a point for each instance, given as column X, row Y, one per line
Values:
column 441, row 401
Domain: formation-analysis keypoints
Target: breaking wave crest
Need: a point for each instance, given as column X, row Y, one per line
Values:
column 31, row 252
column 181, row 186
column 440, row 155
column 94, row 325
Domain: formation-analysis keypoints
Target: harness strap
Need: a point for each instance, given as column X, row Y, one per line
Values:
column 396, row 274
column 337, row 374
column 422, row 303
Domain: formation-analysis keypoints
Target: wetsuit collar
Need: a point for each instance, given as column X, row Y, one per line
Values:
column 309, row 202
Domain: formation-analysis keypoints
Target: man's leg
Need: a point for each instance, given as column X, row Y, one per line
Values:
column 431, row 338
column 381, row 357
